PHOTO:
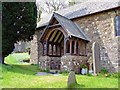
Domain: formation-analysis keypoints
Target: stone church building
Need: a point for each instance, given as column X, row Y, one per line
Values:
column 86, row 33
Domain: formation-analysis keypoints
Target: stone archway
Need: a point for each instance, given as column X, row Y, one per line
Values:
column 53, row 48
column 54, row 43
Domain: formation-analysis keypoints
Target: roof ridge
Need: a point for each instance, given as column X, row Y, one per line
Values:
column 82, row 9
column 70, row 27
column 54, row 13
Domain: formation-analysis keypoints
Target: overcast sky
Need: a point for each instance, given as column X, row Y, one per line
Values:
column 41, row 3
column 49, row 0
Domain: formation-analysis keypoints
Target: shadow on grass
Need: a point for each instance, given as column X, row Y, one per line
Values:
column 22, row 69
column 76, row 85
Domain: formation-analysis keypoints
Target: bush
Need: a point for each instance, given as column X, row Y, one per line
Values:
column 40, row 70
column 83, row 66
column 104, row 71
column 47, row 70
column 107, row 75
column 64, row 72
column 89, row 74
column 115, row 75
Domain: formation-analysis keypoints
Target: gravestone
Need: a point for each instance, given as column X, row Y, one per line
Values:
column 96, row 57
column 71, row 78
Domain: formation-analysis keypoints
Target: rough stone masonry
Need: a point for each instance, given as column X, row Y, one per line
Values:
column 100, row 28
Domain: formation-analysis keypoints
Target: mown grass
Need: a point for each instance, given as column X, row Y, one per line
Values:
column 0, row 76
column 16, row 58
column 16, row 75
column 23, row 76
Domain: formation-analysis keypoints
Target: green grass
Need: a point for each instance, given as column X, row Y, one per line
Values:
column 17, row 75
column 0, row 76
column 15, row 58
column 23, row 76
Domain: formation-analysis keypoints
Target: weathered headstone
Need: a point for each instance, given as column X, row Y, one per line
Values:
column 71, row 78
column 96, row 58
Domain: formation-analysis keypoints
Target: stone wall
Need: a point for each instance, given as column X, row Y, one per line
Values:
column 118, row 38
column 46, row 62
column 64, row 63
column 36, row 48
column 100, row 28
column 72, row 62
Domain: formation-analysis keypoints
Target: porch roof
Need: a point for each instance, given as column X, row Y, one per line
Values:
column 71, row 28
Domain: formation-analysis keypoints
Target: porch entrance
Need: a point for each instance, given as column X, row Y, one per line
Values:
column 63, row 43
column 53, row 46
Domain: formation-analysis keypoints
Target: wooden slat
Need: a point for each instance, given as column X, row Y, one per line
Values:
column 61, row 39
column 53, row 35
column 75, row 44
column 50, row 35
column 65, row 45
column 57, row 36
column 57, row 31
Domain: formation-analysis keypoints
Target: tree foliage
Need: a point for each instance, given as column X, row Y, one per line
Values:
column 18, row 23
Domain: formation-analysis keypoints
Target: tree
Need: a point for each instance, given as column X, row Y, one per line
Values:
column 72, row 3
column 18, row 23
column 49, row 6
column 39, row 12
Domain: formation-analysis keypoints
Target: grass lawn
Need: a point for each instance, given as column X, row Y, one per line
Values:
column 16, row 58
column 23, row 76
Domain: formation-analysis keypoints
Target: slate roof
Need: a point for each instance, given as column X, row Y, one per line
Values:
column 82, row 9
column 70, row 27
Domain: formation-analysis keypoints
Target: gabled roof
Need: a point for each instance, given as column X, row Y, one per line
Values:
column 70, row 27
column 83, row 9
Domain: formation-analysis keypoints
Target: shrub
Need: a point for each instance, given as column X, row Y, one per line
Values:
column 104, row 71
column 107, row 75
column 40, row 70
column 64, row 72
column 83, row 66
column 89, row 74
column 115, row 75
column 44, row 70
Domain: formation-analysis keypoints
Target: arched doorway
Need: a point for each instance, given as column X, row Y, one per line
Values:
column 53, row 46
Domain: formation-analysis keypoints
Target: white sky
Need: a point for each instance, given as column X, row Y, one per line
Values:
column 49, row 0
column 66, row 2
column 40, row 2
